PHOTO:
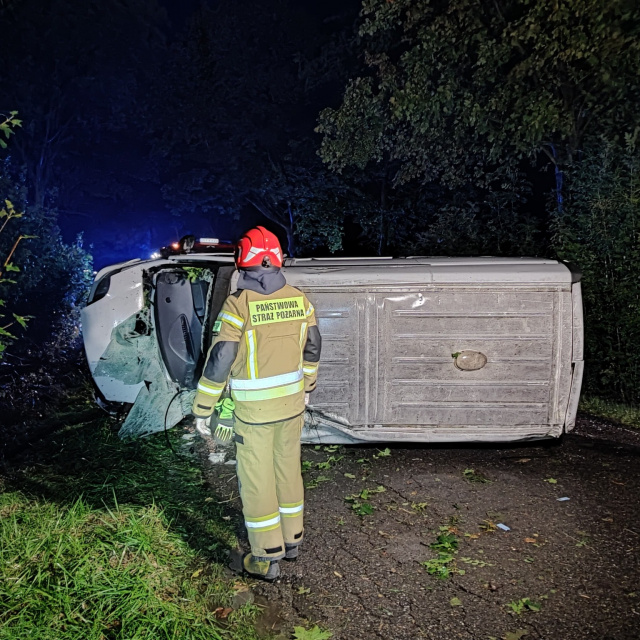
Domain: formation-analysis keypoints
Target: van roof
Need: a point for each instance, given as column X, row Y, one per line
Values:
column 417, row 270
column 430, row 270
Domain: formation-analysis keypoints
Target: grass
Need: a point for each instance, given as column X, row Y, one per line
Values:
column 105, row 540
column 616, row 412
column 446, row 545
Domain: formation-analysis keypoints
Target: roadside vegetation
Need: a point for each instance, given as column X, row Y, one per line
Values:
column 105, row 540
column 626, row 414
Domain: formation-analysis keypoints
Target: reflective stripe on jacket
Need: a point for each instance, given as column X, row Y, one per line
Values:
column 268, row 347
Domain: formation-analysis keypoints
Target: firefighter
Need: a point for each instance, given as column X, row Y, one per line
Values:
column 266, row 348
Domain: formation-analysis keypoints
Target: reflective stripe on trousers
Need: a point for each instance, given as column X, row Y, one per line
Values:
column 266, row 523
column 292, row 510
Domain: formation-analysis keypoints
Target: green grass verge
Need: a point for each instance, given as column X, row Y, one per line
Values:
column 105, row 540
column 614, row 411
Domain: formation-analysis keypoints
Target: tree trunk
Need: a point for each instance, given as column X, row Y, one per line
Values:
column 266, row 210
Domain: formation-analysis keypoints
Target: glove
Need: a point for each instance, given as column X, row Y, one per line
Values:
column 224, row 411
column 203, row 426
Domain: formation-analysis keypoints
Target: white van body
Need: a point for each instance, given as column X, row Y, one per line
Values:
column 414, row 349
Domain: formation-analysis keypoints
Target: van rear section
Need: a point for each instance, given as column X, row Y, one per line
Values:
column 414, row 349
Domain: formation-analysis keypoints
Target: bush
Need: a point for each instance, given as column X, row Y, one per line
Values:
column 598, row 230
column 54, row 276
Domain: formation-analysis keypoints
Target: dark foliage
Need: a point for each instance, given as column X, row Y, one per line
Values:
column 49, row 290
column 599, row 231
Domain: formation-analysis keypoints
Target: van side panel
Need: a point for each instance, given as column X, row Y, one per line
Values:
column 388, row 356
column 341, row 320
column 514, row 329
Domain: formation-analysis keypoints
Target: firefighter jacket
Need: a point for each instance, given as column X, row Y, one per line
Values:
column 267, row 347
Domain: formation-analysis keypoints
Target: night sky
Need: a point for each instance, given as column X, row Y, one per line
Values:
column 106, row 70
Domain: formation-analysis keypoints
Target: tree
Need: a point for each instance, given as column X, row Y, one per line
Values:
column 73, row 69
column 599, row 230
column 225, row 105
column 462, row 91
column 237, row 94
column 8, row 125
column 306, row 201
column 43, row 280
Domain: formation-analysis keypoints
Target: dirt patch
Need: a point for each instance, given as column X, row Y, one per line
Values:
column 565, row 569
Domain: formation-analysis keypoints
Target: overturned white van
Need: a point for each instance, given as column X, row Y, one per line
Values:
column 414, row 349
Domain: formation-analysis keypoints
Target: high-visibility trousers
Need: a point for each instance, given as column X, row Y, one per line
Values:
column 270, row 480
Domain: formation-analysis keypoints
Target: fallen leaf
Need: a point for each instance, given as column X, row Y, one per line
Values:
column 349, row 475
column 303, row 591
column 208, row 499
column 383, row 534
column 315, row 633
column 607, row 519
column 195, row 574
column 227, row 518
column 516, row 635
column 221, row 613
column 531, row 540
column 551, row 480
column 337, row 574
column 455, row 602
column 240, row 587
column 523, row 460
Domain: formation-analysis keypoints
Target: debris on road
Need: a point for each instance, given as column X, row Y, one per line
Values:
column 217, row 457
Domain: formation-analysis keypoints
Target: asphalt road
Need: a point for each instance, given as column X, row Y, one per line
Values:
column 565, row 569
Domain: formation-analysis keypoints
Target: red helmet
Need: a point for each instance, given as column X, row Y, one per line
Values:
column 255, row 246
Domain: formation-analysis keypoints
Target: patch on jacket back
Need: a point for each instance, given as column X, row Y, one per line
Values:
column 281, row 310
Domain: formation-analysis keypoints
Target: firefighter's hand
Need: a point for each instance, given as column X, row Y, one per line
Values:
column 223, row 433
column 203, row 426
